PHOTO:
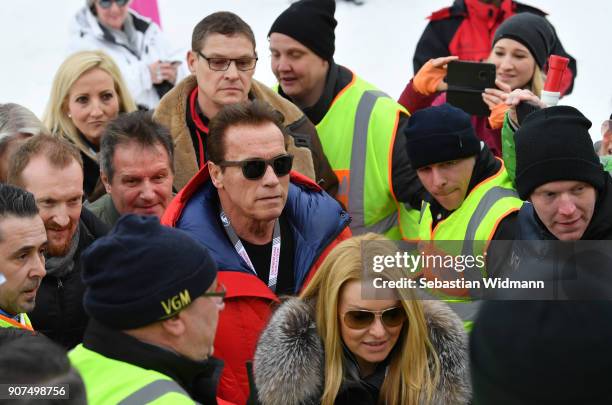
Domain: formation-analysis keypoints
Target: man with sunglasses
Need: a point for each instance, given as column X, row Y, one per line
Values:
column 222, row 61
column 154, row 300
column 268, row 228
column 148, row 63
column 357, row 122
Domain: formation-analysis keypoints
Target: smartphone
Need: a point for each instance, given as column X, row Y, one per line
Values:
column 466, row 82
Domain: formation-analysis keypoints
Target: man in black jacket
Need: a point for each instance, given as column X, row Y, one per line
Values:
column 557, row 170
column 358, row 124
column 52, row 170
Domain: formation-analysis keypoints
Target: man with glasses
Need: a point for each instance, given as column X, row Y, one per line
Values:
column 154, row 300
column 266, row 227
column 148, row 63
column 222, row 61
column 357, row 123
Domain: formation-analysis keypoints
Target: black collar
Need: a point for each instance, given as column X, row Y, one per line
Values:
column 486, row 166
column 198, row 378
column 338, row 77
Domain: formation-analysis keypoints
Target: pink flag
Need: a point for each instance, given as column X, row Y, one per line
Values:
column 147, row 8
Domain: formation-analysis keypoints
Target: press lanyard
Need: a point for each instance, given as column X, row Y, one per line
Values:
column 276, row 246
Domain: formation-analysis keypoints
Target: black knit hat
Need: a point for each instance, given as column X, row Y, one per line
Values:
column 142, row 272
column 542, row 352
column 439, row 134
column 531, row 30
column 554, row 144
column 311, row 23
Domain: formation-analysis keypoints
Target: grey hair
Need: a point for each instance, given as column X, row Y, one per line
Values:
column 16, row 119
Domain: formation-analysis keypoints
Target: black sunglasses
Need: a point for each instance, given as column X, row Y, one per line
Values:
column 254, row 169
column 109, row 3
column 361, row 318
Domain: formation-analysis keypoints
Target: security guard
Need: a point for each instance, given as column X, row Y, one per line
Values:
column 470, row 196
column 357, row 123
column 154, row 300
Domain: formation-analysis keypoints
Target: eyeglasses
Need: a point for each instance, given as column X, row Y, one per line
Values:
column 222, row 64
column 109, row 3
column 361, row 318
column 254, row 169
column 219, row 294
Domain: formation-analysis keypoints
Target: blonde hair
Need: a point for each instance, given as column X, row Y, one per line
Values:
column 409, row 379
column 537, row 81
column 73, row 67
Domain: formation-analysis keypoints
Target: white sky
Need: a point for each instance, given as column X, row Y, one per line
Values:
column 375, row 40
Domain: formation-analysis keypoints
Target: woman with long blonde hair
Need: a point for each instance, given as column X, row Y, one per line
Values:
column 337, row 344
column 88, row 92
column 520, row 48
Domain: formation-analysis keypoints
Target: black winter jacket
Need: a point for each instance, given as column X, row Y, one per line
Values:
column 59, row 312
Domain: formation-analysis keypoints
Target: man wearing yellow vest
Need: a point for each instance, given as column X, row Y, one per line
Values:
column 470, row 196
column 23, row 241
column 357, row 123
column 154, row 302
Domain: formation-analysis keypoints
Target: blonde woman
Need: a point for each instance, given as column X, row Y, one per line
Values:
column 520, row 48
column 332, row 346
column 87, row 93
column 17, row 124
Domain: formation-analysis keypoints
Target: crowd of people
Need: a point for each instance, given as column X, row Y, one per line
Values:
column 174, row 231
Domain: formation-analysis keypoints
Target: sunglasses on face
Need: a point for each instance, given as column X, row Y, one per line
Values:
column 254, row 169
column 109, row 3
column 361, row 318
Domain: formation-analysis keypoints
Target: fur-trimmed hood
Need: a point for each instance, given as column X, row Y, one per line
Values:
column 289, row 359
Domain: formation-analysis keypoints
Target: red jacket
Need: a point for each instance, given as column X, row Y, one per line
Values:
column 466, row 29
column 318, row 223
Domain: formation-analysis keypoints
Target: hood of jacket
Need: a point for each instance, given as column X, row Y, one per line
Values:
column 290, row 355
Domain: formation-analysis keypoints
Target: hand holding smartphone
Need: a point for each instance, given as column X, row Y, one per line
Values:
column 466, row 83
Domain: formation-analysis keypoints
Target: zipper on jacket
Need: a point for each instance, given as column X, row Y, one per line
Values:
column 60, row 303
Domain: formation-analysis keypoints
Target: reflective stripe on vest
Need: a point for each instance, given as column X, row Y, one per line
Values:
column 484, row 206
column 357, row 134
column 109, row 380
column 358, row 161
column 11, row 323
column 478, row 215
column 152, row 391
column 475, row 220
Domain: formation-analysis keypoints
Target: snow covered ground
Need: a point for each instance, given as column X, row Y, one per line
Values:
column 376, row 40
